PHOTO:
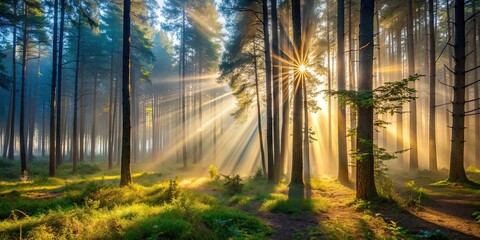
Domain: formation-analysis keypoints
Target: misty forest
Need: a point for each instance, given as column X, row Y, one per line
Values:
column 239, row 119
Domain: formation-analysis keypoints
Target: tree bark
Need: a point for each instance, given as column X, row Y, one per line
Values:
column 432, row 146
column 125, row 175
column 365, row 161
column 259, row 116
column 413, row 105
column 75, row 100
column 23, row 152
column 297, row 155
column 268, row 81
column 279, row 167
column 276, row 88
column 94, row 113
column 457, row 169
column 11, row 143
column 342, row 127
column 52, row 151
column 59, row 129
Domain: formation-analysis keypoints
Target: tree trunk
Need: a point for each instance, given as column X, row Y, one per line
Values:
column 297, row 155
column 53, row 92
column 59, row 129
column 432, row 147
column 276, row 88
column 184, row 140
column 94, row 117
column 329, row 87
column 342, row 127
column 125, row 175
column 413, row 105
column 23, row 156
column 476, row 87
column 259, row 116
column 268, row 92
column 11, row 143
column 33, row 111
column 365, row 161
column 306, row 137
column 110, row 111
column 400, row 110
column 75, row 100
column 457, row 169
column 279, row 167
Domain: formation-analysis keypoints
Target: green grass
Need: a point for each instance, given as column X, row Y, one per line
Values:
column 282, row 203
column 91, row 205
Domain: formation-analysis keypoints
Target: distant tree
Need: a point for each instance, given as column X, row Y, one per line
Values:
column 33, row 30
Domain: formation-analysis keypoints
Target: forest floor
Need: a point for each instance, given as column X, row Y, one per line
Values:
column 170, row 204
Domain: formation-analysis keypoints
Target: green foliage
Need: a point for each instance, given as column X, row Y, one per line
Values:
column 87, row 208
column 415, row 196
column 88, row 168
column 234, row 224
column 282, row 203
column 213, row 172
column 173, row 190
column 328, row 229
column 258, row 175
column 233, row 184
column 396, row 231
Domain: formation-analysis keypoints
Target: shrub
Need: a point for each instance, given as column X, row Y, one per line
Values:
column 172, row 191
column 233, row 184
column 213, row 171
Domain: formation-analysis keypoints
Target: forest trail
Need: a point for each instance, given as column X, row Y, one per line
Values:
column 439, row 213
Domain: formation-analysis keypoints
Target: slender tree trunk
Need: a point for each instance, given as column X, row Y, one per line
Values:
column 284, row 28
column 33, row 111
column 259, row 116
column 8, row 126
column 342, row 127
column 432, row 146
column 184, row 140
column 53, row 91
column 11, row 144
column 75, row 100
column 110, row 111
column 457, row 169
column 413, row 105
column 43, row 129
column 400, row 110
column 306, row 138
column 276, row 87
column 94, row 117
column 58, row 133
column 125, row 175
column 200, row 110
column 351, row 79
column 23, row 156
column 268, row 81
column 329, row 86
column 297, row 155
column 448, row 95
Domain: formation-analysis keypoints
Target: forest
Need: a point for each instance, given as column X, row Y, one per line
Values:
column 239, row 119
